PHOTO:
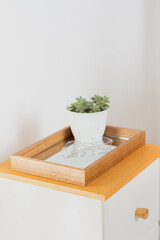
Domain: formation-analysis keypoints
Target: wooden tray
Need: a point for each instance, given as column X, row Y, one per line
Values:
column 33, row 159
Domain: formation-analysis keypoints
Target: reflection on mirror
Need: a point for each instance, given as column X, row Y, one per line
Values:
column 80, row 155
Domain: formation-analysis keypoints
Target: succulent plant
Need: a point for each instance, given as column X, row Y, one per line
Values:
column 96, row 104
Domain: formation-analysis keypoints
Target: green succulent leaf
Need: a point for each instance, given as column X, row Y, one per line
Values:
column 97, row 104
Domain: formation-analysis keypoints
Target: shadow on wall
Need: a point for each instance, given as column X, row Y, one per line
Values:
column 28, row 133
column 25, row 133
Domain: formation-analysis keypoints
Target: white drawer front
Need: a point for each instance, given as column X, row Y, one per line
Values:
column 153, row 234
column 29, row 212
column 119, row 211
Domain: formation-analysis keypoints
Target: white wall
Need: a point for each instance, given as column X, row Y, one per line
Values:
column 53, row 51
column 156, row 63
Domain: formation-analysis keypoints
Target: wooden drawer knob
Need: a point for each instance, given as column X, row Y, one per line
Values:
column 142, row 213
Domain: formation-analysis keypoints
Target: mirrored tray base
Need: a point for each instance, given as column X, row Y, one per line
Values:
column 81, row 155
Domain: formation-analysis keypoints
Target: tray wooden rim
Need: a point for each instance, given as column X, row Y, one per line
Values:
column 26, row 161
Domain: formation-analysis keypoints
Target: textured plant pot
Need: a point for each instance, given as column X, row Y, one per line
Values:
column 88, row 127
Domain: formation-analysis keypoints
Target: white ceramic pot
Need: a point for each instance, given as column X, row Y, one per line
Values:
column 88, row 127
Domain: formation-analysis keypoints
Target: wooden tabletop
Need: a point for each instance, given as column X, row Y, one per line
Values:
column 104, row 186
